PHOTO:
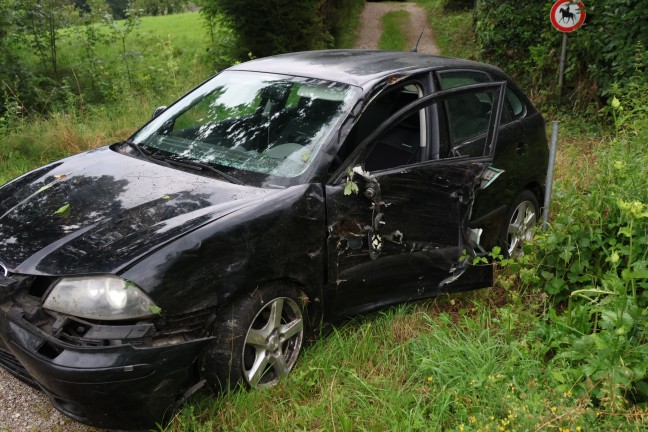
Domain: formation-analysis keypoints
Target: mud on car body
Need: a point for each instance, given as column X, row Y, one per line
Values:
column 280, row 194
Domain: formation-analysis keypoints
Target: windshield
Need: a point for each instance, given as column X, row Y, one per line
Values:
column 249, row 122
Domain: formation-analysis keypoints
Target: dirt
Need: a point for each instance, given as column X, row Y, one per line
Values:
column 25, row 409
column 371, row 26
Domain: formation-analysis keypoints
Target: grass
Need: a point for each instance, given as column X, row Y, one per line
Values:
column 456, row 363
column 394, row 32
column 451, row 28
column 180, row 36
column 44, row 140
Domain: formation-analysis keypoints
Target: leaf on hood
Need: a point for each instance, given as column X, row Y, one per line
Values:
column 63, row 211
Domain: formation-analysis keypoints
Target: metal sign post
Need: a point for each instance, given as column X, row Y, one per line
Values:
column 566, row 16
column 563, row 55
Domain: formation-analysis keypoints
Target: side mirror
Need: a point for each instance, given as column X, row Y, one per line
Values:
column 159, row 110
column 365, row 175
column 372, row 188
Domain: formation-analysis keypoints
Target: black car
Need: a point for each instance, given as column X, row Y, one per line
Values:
column 280, row 194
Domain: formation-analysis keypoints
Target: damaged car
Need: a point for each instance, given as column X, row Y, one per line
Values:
column 281, row 194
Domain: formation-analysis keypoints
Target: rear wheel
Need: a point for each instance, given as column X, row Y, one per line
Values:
column 519, row 224
column 258, row 339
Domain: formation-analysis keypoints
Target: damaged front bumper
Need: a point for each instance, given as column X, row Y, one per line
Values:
column 115, row 384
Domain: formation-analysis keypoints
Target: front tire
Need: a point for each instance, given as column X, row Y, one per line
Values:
column 258, row 338
column 519, row 225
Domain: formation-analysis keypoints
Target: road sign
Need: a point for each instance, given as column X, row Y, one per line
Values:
column 567, row 15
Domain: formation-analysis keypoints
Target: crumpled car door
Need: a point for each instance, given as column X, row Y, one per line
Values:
column 405, row 234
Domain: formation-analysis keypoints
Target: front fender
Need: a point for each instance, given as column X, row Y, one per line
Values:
column 280, row 237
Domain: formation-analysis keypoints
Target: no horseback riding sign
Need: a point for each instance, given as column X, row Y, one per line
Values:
column 567, row 15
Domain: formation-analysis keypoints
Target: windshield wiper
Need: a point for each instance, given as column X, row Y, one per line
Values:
column 193, row 164
column 141, row 150
column 146, row 154
column 175, row 161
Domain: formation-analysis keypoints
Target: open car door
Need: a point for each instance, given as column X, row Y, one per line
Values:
column 401, row 232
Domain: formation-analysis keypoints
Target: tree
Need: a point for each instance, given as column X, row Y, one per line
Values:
column 15, row 80
column 272, row 26
column 42, row 20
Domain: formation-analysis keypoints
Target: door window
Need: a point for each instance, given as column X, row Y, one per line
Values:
column 467, row 116
column 402, row 144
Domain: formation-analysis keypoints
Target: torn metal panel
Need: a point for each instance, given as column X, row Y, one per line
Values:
column 416, row 225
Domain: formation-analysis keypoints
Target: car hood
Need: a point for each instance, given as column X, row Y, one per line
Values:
column 100, row 211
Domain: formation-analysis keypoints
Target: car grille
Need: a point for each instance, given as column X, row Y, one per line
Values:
column 13, row 366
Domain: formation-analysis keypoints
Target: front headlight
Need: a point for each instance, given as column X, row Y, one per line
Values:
column 99, row 297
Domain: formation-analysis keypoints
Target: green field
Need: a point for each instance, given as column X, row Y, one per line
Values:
column 177, row 41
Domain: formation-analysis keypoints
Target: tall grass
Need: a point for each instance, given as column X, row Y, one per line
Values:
column 452, row 29
column 41, row 140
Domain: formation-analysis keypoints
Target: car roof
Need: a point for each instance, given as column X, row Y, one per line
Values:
column 356, row 67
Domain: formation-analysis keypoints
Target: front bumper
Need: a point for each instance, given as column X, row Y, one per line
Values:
column 114, row 387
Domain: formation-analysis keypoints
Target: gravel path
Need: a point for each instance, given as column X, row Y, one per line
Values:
column 23, row 409
column 371, row 26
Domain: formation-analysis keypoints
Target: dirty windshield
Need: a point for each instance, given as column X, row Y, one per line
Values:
column 247, row 122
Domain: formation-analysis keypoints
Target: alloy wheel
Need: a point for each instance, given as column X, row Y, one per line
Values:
column 520, row 228
column 272, row 342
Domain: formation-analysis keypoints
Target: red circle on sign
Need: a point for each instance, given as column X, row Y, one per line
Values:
column 566, row 15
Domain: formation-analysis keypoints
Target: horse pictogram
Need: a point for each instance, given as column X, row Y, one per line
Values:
column 567, row 15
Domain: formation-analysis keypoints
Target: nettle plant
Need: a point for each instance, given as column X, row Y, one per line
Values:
column 593, row 261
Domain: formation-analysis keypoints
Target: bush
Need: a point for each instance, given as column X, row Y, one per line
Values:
column 272, row 26
column 593, row 262
column 610, row 48
column 339, row 17
column 280, row 26
column 458, row 5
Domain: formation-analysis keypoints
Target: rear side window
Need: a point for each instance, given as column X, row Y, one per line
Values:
column 515, row 104
column 468, row 115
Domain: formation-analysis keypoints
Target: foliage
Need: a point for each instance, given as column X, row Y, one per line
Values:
column 509, row 34
column 350, row 187
column 458, row 5
column 279, row 26
column 118, row 8
column 273, row 26
column 93, row 104
column 613, row 47
column 121, row 30
column 41, row 20
column 594, row 263
column 14, row 76
column 454, row 364
column 162, row 7
column 341, row 19
column 519, row 37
